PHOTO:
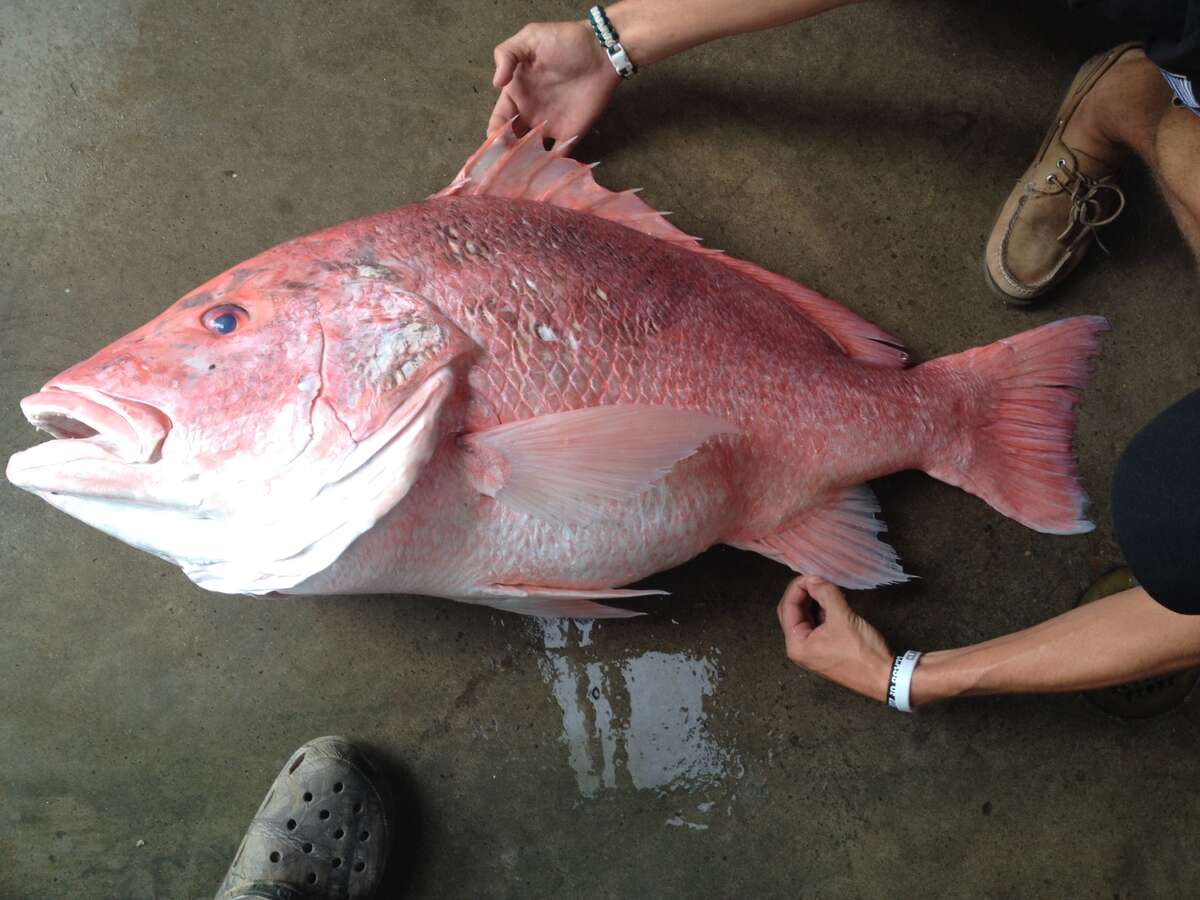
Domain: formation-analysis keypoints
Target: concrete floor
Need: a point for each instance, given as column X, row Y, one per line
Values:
column 145, row 146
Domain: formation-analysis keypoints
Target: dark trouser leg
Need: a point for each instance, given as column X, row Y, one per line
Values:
column 1156, row 505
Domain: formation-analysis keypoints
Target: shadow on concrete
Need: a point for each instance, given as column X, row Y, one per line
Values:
column 405, row 856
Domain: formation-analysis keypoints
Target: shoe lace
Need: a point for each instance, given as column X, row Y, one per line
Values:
column 1087, row 200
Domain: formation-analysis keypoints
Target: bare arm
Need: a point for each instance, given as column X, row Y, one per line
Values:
column 652, row 30
column 1120, row 638
column 1113, row 640
column 557, row 73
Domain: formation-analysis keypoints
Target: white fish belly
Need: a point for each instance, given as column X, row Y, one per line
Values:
column 447, row 540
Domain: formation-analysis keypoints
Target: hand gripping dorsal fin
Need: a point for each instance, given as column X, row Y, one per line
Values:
column 521, row 168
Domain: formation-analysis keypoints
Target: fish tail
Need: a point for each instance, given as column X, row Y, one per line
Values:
column 1019, row 416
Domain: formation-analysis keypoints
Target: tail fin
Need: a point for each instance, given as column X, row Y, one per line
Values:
column 1020, row 459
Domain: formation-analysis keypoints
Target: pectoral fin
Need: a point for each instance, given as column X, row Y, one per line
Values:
column 566, row 466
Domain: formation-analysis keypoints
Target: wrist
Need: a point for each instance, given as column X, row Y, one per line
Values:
column 938, row 677
column 642, row 34
column 881, row 679
column 599, row 56
column 899, row 695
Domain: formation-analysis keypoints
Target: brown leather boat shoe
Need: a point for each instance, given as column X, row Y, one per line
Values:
column 1050, row 219
column 323, row 830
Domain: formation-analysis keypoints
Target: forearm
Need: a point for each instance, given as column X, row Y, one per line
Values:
column 652, row 30
column 1118, row 638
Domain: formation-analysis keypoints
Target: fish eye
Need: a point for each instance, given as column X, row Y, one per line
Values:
column 223, row 320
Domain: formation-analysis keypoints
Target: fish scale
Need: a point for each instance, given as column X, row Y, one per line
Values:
column 623, row 355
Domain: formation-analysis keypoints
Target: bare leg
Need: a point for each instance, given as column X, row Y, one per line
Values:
column 1130, row 110
column 1177, row 149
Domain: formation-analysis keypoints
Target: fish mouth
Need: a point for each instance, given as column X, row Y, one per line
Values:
column 131, row 431
column 99, row 443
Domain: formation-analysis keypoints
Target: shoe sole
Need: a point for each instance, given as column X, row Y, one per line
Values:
column 1035, row 298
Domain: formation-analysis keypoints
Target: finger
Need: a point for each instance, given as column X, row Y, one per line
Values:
column 507, row 57
column 828, row 595
column 794, row 637
column 793, row 615
column 790, row 610
column 504, row 110
column 815, row 613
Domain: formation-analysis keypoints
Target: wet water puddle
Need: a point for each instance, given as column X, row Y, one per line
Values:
column 638, row 722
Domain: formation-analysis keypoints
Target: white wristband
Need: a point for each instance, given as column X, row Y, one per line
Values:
column 900, row 684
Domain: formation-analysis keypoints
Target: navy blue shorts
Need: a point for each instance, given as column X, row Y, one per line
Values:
column 1156, row 506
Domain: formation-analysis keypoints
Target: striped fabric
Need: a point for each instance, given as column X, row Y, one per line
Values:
column 1185, row 94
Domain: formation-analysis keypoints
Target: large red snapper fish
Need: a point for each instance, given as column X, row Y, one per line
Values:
column 525, row 392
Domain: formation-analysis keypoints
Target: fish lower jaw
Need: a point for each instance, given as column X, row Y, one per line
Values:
column 40, row 468
column 89, row 470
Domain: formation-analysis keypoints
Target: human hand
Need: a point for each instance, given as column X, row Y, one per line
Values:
column 824, row 635
column 552, row 72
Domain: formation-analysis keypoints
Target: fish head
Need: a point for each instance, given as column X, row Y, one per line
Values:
column 251, row 431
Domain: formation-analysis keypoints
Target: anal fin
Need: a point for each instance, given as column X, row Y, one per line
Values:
column 552, row 602
column 838, row 540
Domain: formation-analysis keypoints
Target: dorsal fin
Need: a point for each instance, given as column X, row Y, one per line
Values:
column 857, row 337
column 521, row 168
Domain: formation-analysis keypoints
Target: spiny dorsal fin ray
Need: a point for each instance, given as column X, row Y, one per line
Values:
column 521, row 168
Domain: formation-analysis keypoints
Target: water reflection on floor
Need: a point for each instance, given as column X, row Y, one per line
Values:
column 638, row 721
